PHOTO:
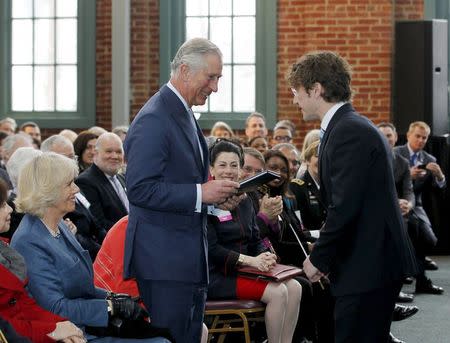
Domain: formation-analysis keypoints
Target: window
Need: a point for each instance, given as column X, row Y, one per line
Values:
column 49, row 62
column 245, row 31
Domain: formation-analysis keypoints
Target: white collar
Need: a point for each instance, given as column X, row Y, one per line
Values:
column 173, row 89
column 411, row 152
column 329, row 115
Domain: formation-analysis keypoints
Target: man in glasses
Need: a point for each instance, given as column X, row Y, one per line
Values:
column 363, row 248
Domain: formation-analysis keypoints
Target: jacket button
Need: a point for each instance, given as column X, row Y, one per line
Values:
column 12, row 301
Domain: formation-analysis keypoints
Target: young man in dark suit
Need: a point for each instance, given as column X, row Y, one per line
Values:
column 363, row 247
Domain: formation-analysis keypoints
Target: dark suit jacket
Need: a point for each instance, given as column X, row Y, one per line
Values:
column 166, row 238
column 422, row 183
column 402, row 177
column 363, row 244
column 106, row 205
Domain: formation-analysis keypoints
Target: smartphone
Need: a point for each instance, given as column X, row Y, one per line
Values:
column 422, row 166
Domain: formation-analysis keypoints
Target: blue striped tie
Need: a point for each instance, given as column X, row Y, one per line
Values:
column 322, row 133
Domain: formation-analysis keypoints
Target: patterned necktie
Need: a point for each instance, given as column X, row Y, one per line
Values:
column 194, row 126
column 120, row 192
column 322, row 133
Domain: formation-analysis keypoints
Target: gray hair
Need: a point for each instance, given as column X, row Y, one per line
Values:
column 9, row 142
column 121, row 129
column 11, row 121
column 255, row 114
column 51, row 141
column 106, row 137
column 191, row 53
column 18, row 159
column 280, row 146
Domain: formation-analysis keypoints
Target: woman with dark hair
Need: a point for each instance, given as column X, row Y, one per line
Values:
column 16, row 306
column 84, row 146
column 233, row 241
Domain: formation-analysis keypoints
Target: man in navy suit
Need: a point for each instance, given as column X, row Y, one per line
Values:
column 168, row 189
column 363, row 246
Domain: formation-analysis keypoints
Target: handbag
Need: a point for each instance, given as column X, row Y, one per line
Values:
column 278, row 273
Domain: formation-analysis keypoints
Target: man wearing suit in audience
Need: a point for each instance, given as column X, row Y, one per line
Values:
column 89, row 234
column 168, row 189
column 425, row 173
column 101, row 184
column 363, row 247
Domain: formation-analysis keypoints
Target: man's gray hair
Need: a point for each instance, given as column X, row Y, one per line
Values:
column 191, row 53
column 51, row 141
column 11, row 121
column 18, row 159
column 10, row 141
column 280, row 146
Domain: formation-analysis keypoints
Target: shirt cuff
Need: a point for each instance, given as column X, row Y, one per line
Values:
column 440, row 184
column 198, row 203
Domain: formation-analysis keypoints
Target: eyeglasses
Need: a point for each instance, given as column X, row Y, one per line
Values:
column 282, row 138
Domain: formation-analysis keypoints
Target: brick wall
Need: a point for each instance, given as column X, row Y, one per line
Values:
column 360, row 30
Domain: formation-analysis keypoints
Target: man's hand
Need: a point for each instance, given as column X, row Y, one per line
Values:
column 271, row 207
column 417, row 173
column 405, row 206
column 231, row 203
column 313, row 274
column 435, row 170
column 218, row 191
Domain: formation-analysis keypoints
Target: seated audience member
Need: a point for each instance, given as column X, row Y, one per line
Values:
column 425, row 173
column 32, row 129
column 89, row 233
column 69, row 134
column 9, row 145
column 283, row 132
column 3, row 135
column 233, row 241
column 108, row 265
column 292, row 155
column 103, row 187
column 26, row 317
column 222, row 130
column 121, row 131
column 259, row 143
column 60, row 272
column 84, row 146
column 97, row 130
column 18, row 159
column 307, row 191
column 255, row 126
column 311, row 136
column 8, row 125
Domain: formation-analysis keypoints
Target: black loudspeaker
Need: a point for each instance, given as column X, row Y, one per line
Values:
column 421, row 75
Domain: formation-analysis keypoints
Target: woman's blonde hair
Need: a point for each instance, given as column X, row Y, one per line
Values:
column 311, row 150
column 41, row 181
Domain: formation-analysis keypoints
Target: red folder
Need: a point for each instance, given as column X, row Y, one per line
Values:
column 278, row 273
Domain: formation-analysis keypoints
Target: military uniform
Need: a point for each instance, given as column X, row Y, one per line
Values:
column 311, row 207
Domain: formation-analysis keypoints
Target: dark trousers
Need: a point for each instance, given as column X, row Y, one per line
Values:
column 178, row 306
column 365, row 317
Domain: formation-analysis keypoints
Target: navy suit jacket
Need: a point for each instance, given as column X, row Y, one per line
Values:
column 166, row 239
column 363, row 244
column 106, row 205
column 61, row 280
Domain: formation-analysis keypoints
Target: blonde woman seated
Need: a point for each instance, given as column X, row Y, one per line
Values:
column 233, row 241
column 59, row 270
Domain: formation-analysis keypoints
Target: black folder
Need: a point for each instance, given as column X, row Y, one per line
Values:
column 255, row 181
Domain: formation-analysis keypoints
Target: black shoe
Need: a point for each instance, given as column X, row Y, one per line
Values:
column 393, row 339
column 430, row 264
column 425, row 285
column 402, row 312
column 405, row 297
column 408, row 280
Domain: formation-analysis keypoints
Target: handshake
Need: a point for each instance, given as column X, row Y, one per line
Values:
column 125, row 307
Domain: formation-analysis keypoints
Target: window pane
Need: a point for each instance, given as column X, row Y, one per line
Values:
column 66, row 88
column 44, row 8
column 196, row 27
column 220, row 7
column 44, row 88
column 196, row 7
column 244, row 7
column 22, row 41
column 244, row 40
column 22, row 8
column 44, row 41
column 22, row 88
column 66, row 41
column 66, row 8
column 221, row 36
column 244, row 88
column 221, row 101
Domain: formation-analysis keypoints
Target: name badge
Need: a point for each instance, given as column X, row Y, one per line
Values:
column 222, row 215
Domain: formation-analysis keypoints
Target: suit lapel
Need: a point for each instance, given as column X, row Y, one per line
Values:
column 109, row 187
